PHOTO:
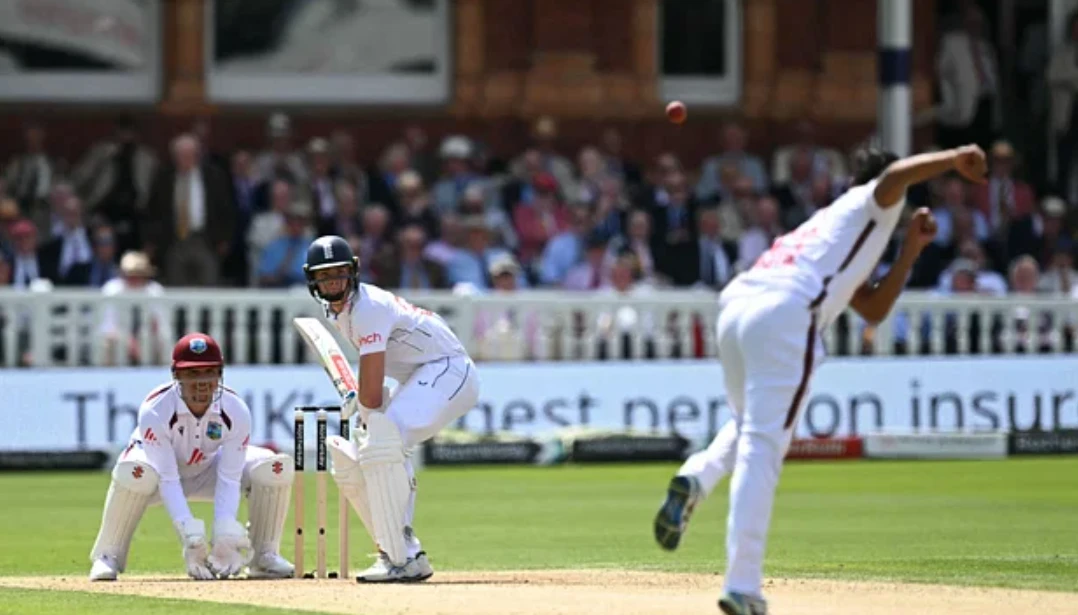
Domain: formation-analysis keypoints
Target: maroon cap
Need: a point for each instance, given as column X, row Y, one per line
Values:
column 196, row 350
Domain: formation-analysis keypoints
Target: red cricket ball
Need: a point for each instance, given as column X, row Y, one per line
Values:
column 677, row 112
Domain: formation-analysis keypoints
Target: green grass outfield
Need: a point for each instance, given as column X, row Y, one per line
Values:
column 1009, row 523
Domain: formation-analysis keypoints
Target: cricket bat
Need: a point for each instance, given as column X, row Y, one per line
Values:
column 329, row 353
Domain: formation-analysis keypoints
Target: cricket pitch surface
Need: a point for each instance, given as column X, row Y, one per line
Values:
column 572, row 592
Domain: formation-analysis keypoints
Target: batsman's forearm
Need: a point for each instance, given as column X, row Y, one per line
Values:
column 881, row 297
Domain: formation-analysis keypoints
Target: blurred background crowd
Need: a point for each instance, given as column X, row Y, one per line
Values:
column 451, row 213
column 448, row 211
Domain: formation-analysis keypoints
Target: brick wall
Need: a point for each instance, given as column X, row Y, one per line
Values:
column 591, row 63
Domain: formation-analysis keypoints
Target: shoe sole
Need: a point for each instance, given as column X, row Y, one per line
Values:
column 730, row 607
column 667, row 524
column 269, row 576
column 400, row 580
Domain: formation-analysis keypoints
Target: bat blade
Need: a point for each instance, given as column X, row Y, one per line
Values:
column 328, row 352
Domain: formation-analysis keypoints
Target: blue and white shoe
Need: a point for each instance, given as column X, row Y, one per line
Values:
column 733, row 603
column 682, row 496
column 416, row 569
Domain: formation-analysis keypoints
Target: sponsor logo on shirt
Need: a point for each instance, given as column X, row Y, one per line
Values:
column 373, row 338
column 196, row 457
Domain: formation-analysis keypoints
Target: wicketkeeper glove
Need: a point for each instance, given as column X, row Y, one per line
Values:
column 231, row 549
column 195, row 549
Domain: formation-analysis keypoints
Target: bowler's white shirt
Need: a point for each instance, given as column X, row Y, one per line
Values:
column 376, row 320
column 826, row 259
column 177, row 444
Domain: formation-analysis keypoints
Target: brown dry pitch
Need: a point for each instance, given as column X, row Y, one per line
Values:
column 574, row 593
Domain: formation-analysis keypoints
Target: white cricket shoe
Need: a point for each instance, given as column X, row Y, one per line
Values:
column 105, row 568
column 270, row 566
column 416, row 569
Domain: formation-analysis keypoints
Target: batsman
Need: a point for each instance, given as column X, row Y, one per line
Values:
column 192, row 443
column 438, row 384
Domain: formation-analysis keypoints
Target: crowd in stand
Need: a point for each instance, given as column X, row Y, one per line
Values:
column 452, row 214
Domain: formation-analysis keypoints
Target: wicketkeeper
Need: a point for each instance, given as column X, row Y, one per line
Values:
column 192, row 443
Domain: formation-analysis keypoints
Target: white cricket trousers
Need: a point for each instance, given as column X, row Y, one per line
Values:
column 434, row 396
column 769, row 348
column 201, row 487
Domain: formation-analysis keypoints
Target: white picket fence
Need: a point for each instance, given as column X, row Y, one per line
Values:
column 82, row 327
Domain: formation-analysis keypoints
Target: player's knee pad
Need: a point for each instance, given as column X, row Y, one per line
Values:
column 381, row 456
column 271, row 485
column 133, row 484
column 276, row 470
column 344, row 459
column 136, row 476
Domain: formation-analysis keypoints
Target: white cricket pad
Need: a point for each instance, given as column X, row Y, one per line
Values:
column 133, row 484
column 381, row 456
column 271, row 488
column 349, row 478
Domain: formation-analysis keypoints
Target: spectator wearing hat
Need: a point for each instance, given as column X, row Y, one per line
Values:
column 407, row 268
column 457, row 174
column 125, row 325
column 537, row 223
column 190, row 218
column 25, row 265
column 506, row 333
column 281, row 262
column 415, row 205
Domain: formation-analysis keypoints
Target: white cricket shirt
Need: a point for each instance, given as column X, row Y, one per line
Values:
column 376, row 320
column 825, row 260
column 177, row 444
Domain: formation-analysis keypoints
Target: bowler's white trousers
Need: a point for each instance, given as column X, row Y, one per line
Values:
column 769, row 348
